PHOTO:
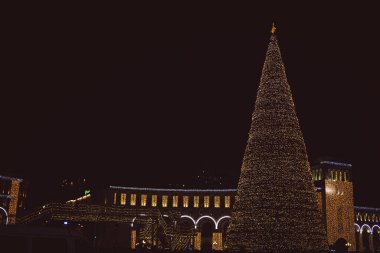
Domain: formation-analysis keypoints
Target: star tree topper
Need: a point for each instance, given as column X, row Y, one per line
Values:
column 273, row 30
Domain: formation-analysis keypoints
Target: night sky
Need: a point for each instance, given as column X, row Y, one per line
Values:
column 151, row 97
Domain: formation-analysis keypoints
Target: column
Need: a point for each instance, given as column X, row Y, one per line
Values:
column 133, row 238
column 360, row 246
column 15, row 187
column 197, row 241
column 217, row 241
column 153, row 234
column 370, row 242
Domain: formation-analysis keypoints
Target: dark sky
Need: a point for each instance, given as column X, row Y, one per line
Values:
column 151, row 96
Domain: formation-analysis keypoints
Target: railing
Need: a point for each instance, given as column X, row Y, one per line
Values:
column 89, row 213
column 171, row 237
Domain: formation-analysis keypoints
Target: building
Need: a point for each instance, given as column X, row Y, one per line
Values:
column 359, row 226
column 367, row 228
column 203, row 212
column 12, row 198
column 335, row 196
column 198, row 218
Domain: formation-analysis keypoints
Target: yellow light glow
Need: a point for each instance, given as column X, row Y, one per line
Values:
column 133, row 199
column 154, row 200
column 175, row 201
column 196, row 201
column 197, row 241
column 206, row 201
column 329, row 190
column 123, row 199
column 227, row 201
column 143, row 199
column 185, row 201
column 15, row 187
column 164, row 200
column 115, row 198
column 133, row 239
column 217, row 243
column 273, row 30
column 216, row 201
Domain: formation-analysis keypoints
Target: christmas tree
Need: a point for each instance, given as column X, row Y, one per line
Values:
column 276, row 205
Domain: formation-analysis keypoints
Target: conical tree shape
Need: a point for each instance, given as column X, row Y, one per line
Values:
column 276, row 207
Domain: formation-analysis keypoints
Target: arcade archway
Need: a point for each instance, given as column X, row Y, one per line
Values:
column 223, row 224
column 376, row 238
column 206, row 227
column 3, row 216
column 366, row 237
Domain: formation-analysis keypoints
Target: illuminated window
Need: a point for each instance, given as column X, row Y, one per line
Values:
column 196, row 201
column 185, row 201
column 164, row 200
column 133, row 199
column 206, row 201
column 154, row 200
column 216, row 201
column 227, row 201
column 345, row 176
column 115, row 198
column 175, row 201
column 143, row 199
column 340, row 176
column 123, row 199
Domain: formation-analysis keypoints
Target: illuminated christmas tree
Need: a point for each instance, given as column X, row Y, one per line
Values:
column 276, row 207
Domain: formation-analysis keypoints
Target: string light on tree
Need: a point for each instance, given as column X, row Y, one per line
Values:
column 276, row 205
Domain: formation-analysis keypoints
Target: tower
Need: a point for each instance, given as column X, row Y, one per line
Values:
column 335, row 192
column 12, row 198
column 276, row 205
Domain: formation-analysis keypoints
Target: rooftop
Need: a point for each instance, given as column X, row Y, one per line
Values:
column 171, row 190
column 11, row 178
column 336, row 163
